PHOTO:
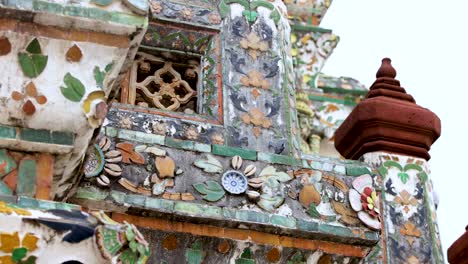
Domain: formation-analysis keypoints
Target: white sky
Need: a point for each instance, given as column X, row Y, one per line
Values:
column 427, row 42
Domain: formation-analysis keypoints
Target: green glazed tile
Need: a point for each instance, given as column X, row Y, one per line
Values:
column 336, row 230
column 307, row 225
column 198, row 210
column 212, row 211
column 91, row 193
column 188, row 208
column 279, row 159
column 200, row 147
column 357, row 171
column 159, row 204
column 180, row 144
column 195, row 254
column 100, row 14
column 27, row 202
column 118, row 197
column 44, row 6
column 135, row 199
column 327, row 166
column 127, row 134
column 76, row 11
column 46, row 205
column 20, row 4
column 231, row 151
column 340, row 169
column 283, row 221
column 252, row 216
column 67, row 206
column 11, row 199
column 7, row 132
column 316, row 165
column 36, row 135
column 4, row 189
column 131, row 20
column 102, row 2
column 63, row 138
column 26, row 178
column 111, row 131
column 372, row 235
column 149, row 138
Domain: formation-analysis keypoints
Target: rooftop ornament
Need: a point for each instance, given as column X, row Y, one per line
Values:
column 388, row 119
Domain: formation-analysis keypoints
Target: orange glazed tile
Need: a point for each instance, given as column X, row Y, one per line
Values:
column 11, row 179
column 45, row 174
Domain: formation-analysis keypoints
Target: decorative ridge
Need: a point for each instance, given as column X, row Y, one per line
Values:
column 386, row 85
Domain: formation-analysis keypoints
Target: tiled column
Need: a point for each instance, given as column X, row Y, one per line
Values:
column 258, row 77
column 311, row 47
column 393, row 134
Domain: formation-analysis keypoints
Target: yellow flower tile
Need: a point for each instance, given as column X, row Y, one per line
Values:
column 293, row 38
column 6, row 260
column 30, row 242
column 9, row 242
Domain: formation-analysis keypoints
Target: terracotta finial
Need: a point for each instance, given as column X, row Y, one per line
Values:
column 388, row 119
column 386, row 69
column 387, row 85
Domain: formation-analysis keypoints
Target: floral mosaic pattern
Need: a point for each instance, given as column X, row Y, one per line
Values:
column 31, row 94
column 365, row 202
column 346, row 83
column 137, row 6
column 19, row 250
column 307, row 12
column 105, row 164
column 199, row 12
column 122, row 242
column 164, row 36
column 260, row 83
column 409, row 210
column 310, row 51
column 324, row 197
column 32, row 61
column 250, row 9
column 267, row 189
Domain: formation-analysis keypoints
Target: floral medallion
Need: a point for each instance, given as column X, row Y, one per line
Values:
column 234, row 182
column 364, row 200
column 94, row 163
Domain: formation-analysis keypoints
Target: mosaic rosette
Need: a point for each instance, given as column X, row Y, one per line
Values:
column 234, row 182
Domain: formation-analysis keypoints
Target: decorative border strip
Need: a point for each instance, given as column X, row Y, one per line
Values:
column 281, row 224
column 37, row 139
column 239, row 234
column 77, row 11
column 31, row 203
column 349, row 168
column 37, row 135
column 350, row 100
column 309, row 28
column 344, row 91
column 66, row 34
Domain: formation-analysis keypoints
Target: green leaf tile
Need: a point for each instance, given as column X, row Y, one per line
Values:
column 32, row 64
column 73, row 90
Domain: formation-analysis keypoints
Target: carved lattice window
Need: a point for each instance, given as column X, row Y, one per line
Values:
column 164, row 84
column 176, row 74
